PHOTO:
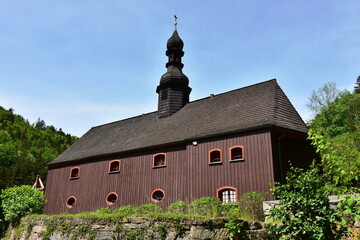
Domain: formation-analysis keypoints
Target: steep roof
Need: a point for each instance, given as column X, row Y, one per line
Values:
column 256, row 106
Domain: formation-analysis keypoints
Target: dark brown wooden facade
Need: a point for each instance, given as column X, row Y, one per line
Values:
column 186, row 176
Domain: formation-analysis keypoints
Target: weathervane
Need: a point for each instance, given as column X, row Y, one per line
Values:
column 175, row 22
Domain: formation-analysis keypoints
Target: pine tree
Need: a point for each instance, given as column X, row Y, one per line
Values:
column 357, row 85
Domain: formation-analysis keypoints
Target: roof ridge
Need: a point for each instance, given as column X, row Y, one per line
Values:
column 234, row 90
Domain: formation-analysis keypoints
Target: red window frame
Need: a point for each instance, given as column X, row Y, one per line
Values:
column 71, row 205
column 112, row 162
column 109, row 203
column 220, row 190
column 72, row 173
column 210, row 161
column 155, row 200
column 154, row 160
column 231, row 153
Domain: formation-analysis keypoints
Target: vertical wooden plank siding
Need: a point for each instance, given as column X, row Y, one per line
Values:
column 187, row 175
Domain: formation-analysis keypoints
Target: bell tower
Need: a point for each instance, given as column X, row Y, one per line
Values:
column 173, row 90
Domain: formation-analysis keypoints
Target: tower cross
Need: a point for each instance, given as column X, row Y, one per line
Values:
column 175, row 22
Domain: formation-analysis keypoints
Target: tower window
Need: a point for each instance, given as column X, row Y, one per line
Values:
column 215, row 156
column 114, row 166
column 227, row 194
column 111, row 198
column 236, row 153
column 157, row 196
column 71, row 202
column 75, row 173
column 159, row 160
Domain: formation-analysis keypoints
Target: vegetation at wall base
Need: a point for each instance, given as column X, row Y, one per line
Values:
column 18, row 202
column 305, row 212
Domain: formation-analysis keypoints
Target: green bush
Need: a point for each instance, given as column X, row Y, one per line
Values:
column 180, row 207
column 148, row 209
column 206, row 206
column 20, row 201
column 304, row 210
column 251, row 204
column 104, row 210
column 126, row 210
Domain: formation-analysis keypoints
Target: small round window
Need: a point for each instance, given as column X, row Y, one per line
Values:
column 111, row 198
column 157, row 196
column 71, row 202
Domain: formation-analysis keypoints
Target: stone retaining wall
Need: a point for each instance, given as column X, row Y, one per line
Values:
column 133, row 228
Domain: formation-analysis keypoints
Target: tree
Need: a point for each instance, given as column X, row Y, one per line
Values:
column 321, row 98
column 335, row 133
column 357, row 85
column 20, row 201
column 40, row 124
column 304, row 210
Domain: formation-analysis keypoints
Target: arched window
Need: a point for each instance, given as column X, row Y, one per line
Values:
column 227, row 194
column 157, row 196
column 75, row 173
column 215, row 156
column 159, row 160
column 111, row 198
column 114, row 166
column 236, row 153
column 71, row 202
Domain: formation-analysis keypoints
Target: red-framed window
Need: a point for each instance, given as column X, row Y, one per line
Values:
column 159, row 160
column 227, row 194
column 71, row 202
column 74, row 173
column 157, row 196
column 236, row 153
column 114, row 166
column 111, row 198
column 215, row 156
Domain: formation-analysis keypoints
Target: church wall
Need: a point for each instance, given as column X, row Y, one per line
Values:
column 187, row 175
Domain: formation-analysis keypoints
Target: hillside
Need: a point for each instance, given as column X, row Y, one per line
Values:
column 25, row 149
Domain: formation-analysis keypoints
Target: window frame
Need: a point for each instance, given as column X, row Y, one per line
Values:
column 154, row 200
column 209, row 156
column 243, row 153
column 111, row 162
column 71, row 173
column 71, row 206
column 111, row 203
column 153, row 160
column 220, row 190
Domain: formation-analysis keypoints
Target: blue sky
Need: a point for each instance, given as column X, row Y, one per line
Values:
column 78, row 64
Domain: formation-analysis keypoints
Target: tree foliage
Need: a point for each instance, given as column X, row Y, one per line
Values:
column 304, row 210
column 25, row 149
column 335, row 132
column 322, row 98
column 20, row 201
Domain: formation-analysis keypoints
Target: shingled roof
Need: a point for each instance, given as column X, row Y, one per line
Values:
column 256, row 106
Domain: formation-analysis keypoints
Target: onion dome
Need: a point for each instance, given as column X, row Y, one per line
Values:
column 175, row 42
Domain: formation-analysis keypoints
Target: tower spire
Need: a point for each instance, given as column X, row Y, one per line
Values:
column 173, row 90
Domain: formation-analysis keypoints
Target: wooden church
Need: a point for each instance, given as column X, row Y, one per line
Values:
column 222, row 146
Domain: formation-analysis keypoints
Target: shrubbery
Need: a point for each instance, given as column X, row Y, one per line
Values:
column 304, row 210
column 179, row 207
column 20, row 201
column 206, row 206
